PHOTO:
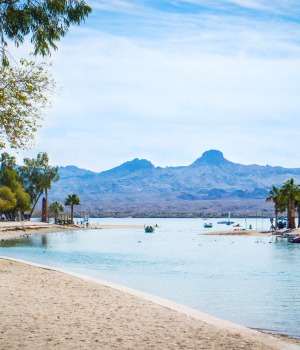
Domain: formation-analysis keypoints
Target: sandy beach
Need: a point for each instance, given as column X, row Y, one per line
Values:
column 46, row 309
column 18, row 229
column 267, row 233
column 43, row 308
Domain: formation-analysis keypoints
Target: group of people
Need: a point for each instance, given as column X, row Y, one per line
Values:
column 14, row 217
column 82, row 223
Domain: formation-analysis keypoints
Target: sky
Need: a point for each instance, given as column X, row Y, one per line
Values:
column 166, row 80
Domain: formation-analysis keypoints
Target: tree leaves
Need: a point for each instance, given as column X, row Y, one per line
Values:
column 24, row 96
column 45, row 20
column 37, row 175
column 25, row 87
column 8, row 199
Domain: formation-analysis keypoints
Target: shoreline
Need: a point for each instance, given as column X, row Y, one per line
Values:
column 77, row 304
column 265, row 233
column 20, row 229
column 223, row 334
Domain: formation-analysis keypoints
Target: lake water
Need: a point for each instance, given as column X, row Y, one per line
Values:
column 253, row 281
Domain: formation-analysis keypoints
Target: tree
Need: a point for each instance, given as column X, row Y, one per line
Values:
column 291, row 193
column 24, row 86
column 45, row 21
column 72, row 200
column 7, row 161
column 7, row 199
column 23, row 200
column 55, row 208
column 24, row 93
column 37, row 177
column 276, row 198
column 9, row 177
column 297, row 205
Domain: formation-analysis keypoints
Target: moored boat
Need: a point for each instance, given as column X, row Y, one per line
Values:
column 209, row 225
column 149, row 229
column 226, row 222
column 295, row 240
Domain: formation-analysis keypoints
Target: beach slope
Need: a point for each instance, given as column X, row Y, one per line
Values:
column 47, row 309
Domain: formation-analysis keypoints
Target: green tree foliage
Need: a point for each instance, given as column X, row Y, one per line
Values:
column 276, row 198
column 24, row 96
column 290, row 192
column 25, row 86
column 54, row 209
column 9, row 178
column 8, row 200
column 23, row 200
column 37, row 177
column 72, row 200
column 7, row 161
column 45, row 21
column 286, row 198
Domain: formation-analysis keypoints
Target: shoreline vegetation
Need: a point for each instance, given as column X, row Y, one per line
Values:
column 44, row 307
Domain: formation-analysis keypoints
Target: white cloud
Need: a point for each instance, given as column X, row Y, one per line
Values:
column 201, row 81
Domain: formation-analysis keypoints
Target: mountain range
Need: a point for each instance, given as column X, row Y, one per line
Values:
column 210, row 185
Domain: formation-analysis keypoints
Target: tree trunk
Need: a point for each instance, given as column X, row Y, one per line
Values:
column 46, row 203
column 35, row 205
column 276, row 215
column 292, row 214
column 72, row 212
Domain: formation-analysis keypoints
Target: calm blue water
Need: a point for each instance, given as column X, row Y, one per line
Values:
column 253, row 281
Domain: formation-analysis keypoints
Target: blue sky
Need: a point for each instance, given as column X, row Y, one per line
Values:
column 168, row 80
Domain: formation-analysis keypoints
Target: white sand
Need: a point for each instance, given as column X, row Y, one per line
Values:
column 46, row 309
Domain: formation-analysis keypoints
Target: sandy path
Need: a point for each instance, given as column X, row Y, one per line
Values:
column 45, row 309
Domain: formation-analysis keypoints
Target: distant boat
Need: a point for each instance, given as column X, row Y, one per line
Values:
column 149, row 229
column 226, row 222
column 210, row 225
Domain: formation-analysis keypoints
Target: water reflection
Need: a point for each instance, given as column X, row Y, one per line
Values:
column 44, row 240
column 21, row 242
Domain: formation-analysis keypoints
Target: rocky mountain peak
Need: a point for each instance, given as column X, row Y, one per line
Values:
column 212, row 157
column 129, row 167
column 137, row 164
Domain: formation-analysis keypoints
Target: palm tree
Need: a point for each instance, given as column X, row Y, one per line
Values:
column 72, row 200
column 276, row 198
column 297, row 205
column 291, row 193
column 55, row 208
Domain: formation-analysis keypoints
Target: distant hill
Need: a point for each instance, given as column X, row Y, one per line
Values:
column 211, row 184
